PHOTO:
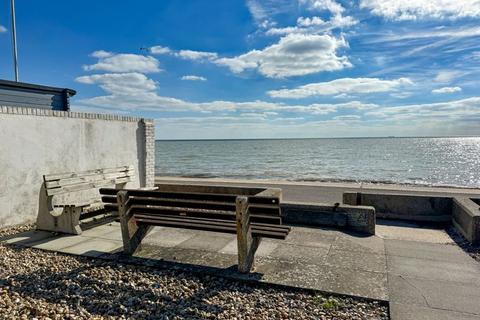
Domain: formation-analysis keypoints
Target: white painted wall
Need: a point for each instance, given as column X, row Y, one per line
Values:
column 35, row 142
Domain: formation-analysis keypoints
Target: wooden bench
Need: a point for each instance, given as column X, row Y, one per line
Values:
column 250, row 216
column 80, row 203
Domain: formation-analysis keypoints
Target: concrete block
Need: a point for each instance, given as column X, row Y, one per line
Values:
column 355, row 218
column 466, row 218
column 404, row 206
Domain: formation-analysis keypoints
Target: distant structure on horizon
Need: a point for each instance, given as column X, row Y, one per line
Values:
column 21, row 94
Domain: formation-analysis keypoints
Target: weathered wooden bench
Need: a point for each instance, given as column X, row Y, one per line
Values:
column 79, row 203
column 251, row 214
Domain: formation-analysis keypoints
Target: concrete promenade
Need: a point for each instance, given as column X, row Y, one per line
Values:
column 328, row 192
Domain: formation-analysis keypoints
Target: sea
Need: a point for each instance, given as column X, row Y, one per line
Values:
column 433, row 161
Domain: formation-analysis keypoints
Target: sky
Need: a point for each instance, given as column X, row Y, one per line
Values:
column 205, row 69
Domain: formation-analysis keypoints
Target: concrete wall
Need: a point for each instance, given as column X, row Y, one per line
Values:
column 353, row 218
column 34, row 142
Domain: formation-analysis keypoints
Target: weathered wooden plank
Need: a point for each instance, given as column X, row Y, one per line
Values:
column 247, row 244
column 132, row 233
column 57, row 176
column 88, row 178
column 86, row 186
column 211, row 214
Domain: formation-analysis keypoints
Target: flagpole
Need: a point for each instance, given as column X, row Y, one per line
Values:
column 14, row 39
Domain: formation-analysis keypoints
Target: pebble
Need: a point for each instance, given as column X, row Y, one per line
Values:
column 36, row 284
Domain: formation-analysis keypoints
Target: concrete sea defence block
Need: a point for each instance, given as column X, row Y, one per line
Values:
column 466, row 218
column 404, row 206
column 354, row 218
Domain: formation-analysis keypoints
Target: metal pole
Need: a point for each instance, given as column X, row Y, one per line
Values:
column 14, row 40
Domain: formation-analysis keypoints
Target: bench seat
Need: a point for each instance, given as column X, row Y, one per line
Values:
column 70, row 216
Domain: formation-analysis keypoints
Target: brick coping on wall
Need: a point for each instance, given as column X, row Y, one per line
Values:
column 68, row 114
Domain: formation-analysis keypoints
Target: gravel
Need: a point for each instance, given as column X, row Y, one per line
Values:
column 36, row 284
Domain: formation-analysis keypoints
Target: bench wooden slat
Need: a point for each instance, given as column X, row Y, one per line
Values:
column 219, row 222
column 226, row 215
column 89, row 178
column 86, row 186
column 208, row 225
column 192, row 196
column 273, row 209
column 56, row 176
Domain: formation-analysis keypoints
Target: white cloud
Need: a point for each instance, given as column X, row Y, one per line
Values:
column 120, row 83
column 135, row 91
column 263, row 11
column 330, row 5
column 293, row 55
column 123, row 62
column 196, row 55
column 184, row 54
column 446, row 76
column 450, row 110
column 193, row 78
column 339, row 86
column 351, row 117
column 101, row 54
column 315, row 25
column 2, row 29
column 447, row 90
column 423, row 9
column 159, row 50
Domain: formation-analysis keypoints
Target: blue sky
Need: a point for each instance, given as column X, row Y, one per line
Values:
column 259, row 69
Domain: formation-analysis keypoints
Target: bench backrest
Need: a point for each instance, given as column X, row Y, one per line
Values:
column 78, row 181
column 262, row 209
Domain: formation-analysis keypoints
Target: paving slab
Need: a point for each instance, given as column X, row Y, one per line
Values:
column 93, row 247
column 436, row 294
column 28, row 237
column 300, row 253
column 412, row 232
column 356, row 260
column 427, row 250
column 359, row 243
column 207, row 241
column 412, row 312
column 58, row 243
column 265, row 248
column 434, row 270
column 167, row 237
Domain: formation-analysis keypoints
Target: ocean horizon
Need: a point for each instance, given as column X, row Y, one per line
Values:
column 426, row 161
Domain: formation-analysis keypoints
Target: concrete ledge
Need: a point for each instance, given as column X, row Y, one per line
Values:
column 466, row 218
column 354, row 218
column 29, row 111
column 404, row 206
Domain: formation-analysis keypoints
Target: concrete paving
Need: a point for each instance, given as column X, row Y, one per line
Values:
column 421, row 272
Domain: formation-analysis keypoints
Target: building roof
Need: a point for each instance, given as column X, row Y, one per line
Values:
column 36, row 87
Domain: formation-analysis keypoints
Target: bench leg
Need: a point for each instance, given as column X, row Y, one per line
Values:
column 246, row 244
column 67, row 222
column 132, row 233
